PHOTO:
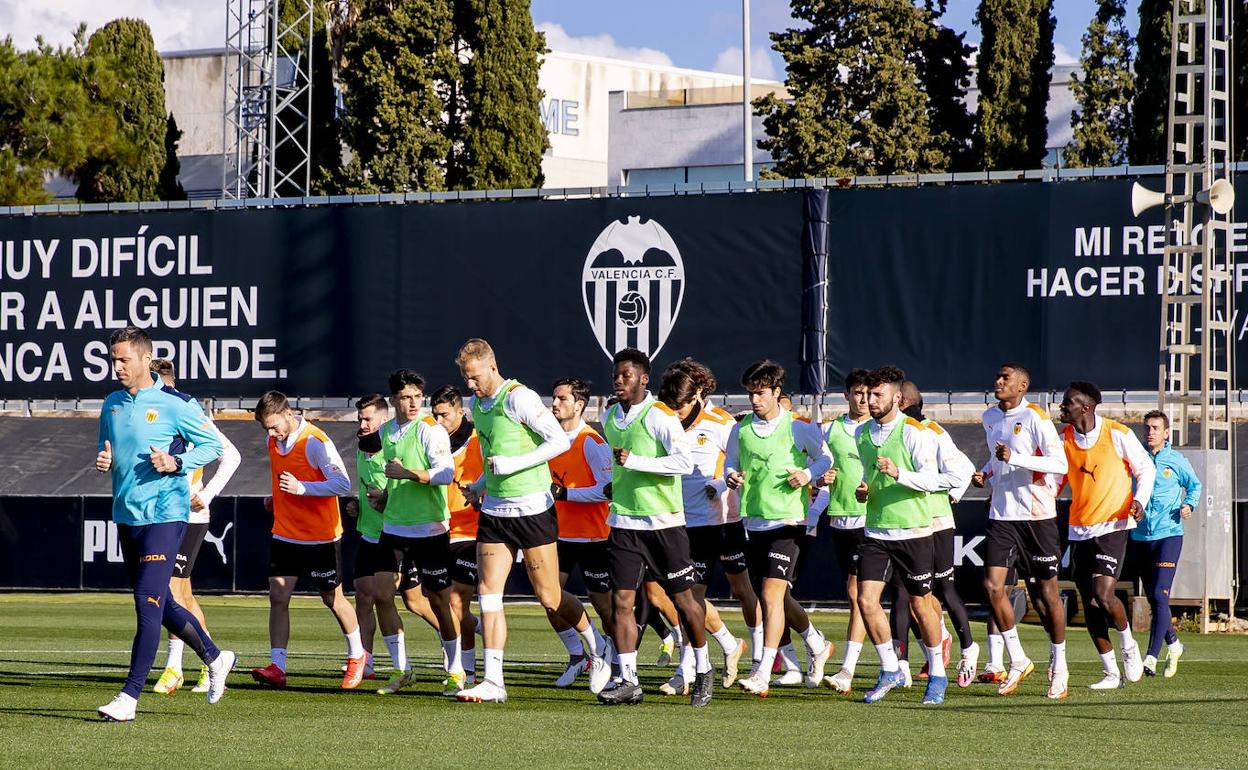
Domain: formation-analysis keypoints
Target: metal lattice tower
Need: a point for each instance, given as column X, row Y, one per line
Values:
column 1197, row 316
column 268, row 99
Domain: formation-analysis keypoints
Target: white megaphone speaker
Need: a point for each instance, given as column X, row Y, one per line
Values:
column 1143, row 199
column 1220, row 197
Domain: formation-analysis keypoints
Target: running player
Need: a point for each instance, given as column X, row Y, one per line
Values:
column 1025, row 466
column 371, row 556
column 308, row 476
column 648, row 522
column 715, row 537
column 447, row 405
column 518, row 437
column 846, row 515
column 415, row 526
column 197, row 526
column 771, row 458
column 956, row 470
column 900, row 470
column 1159, row 537
column 141, row 424
column 581, row 476
column 1111, row 479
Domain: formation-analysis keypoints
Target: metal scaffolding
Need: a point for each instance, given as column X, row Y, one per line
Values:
column 1197, row 309
column 268, row 99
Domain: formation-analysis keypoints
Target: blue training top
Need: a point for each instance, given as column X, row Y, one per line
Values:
column 1174, row 486
column 156, row 416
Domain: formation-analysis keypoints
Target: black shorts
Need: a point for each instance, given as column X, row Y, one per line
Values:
column 942, row 554
column 846, row 543
column 519, row 531
column 428, row 557
column 322, row 562
column 184, row 562
column 774, row 553
column 371, row 558
column 1101, row 556
column 911, row 559
column 718, row 543
column 591, row 557
column 464, row 562
column 662, row 552
column 1033, row 546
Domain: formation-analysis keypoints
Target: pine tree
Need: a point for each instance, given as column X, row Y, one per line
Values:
column 1151, row 103
column 401, row 65
column 1102, row 122
column 170, row 188
column 1015, row 61
column 502, row 134
column 856, row 107
column 128, row 170
column 945, row 75
column 52, row 115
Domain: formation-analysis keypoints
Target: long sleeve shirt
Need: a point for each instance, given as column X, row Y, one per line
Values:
column 322, row 455
column 207, row 492
column 809, row 440
column 1129, row 448
column 166, row 419
column 920, row 443
column 523, row 405
column 677, row 461
column 1175, row 485
column 598, row 459
column 1024, row 488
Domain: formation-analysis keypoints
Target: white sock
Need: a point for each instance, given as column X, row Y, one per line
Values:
column 1058, row 653
column 814, row 641
column 1014, row 646
column 278, row 656
column 450, row 651
column 1109, row 663
column 701, row 659
column 628, row 666
column 355, row 648
column 468, row 659
column 594, row 642
column 494, row 666
column 756, row 642
column 397, row 646
column 1175, row 646
column 888, row 656
column 789, row 655
column 571, row 639
column 935, row 661
column 726, row 640
column 174, row 661
column 769, row 658
column 996, row 651
column 1124, row 638
column 852, row 651
column 686, row 663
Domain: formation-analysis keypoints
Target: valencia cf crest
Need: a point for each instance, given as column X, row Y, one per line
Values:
column 1018, row 428
column 633, row 284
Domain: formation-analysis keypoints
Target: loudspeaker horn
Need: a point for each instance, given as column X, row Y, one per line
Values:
column 1143, row 199
column 1220, row 196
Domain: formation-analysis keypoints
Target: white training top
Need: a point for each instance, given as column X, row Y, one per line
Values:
column 708, row 438
column 1025, row 488
column 230, row 460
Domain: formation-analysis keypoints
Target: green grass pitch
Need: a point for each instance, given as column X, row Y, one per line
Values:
column 61, row 656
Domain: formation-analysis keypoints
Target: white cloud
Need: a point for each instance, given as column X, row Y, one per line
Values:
column 557, row 39
column 729, row 60
column 176, row 24
column 1063, row 56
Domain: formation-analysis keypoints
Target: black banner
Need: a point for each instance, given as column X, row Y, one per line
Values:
column 327, row 301
column 949, row 282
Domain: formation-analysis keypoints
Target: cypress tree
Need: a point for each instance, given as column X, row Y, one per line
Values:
column 128, row 170
column 1015, row 61
column 856, row 107
column 1102, row 122
column 502, row 134
column 170, row 188
column 1151, row 103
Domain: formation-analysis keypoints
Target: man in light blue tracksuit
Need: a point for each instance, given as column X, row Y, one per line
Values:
column 1158, row 538
column 145, row 431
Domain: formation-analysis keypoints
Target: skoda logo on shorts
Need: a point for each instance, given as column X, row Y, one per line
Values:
column 633, row 283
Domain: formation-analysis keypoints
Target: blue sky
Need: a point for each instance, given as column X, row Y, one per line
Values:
column 703, row 33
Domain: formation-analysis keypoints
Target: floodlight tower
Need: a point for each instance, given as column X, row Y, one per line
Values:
column 268, row 99
column 1196, row 368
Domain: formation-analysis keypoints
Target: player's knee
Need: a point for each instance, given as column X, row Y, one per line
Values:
column 868, row 605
